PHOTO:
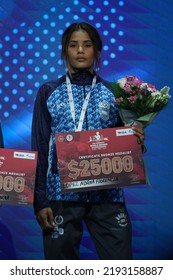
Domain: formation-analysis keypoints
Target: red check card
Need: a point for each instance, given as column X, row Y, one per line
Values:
column 99, row 159
column 17, row 176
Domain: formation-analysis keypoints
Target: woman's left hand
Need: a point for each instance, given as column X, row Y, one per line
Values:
column 139, row 132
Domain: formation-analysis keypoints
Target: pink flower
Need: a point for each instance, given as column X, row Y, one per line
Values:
column 132, row 99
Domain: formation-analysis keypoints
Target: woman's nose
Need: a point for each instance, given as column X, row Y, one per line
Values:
column 80, row 49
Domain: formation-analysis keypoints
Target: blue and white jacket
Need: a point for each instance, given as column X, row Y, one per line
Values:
column 52, row 115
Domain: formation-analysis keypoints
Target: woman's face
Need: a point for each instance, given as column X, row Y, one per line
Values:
column 80, row 52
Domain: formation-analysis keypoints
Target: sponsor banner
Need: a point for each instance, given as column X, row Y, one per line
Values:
column 17, row 176
column 99, row 159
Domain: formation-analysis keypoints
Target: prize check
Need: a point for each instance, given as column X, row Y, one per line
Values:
column 17, row 176
column 99, row 159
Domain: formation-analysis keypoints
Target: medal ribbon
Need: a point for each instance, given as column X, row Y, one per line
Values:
column 85, row 104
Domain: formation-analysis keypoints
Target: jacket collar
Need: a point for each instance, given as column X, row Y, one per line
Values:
column 81, row 77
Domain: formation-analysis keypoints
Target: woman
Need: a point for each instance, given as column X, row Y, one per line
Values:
column 58, row 108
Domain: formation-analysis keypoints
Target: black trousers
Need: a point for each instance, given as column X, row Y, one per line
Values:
column 108, row 224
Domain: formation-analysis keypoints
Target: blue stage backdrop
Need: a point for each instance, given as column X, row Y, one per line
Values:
column 138, row 40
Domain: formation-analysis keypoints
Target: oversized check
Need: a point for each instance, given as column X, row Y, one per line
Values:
column 17, row 176
column 99, row 159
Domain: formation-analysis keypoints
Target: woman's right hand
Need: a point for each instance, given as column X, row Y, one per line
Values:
column 45, row 218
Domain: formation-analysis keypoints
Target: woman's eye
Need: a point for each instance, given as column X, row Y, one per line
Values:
column 72, row 45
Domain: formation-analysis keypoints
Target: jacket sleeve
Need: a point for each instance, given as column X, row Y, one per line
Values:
column 40, row 137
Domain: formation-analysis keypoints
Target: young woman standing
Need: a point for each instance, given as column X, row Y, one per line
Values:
column 74, row 103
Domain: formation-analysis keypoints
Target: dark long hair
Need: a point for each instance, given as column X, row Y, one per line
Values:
column 93, row 34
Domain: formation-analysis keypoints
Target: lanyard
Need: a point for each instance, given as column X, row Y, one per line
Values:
column 85, row 104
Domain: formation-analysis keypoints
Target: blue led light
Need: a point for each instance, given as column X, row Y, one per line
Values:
column 45, row 31
column 22, row 69
column 6, row 84
column 7, row 38
column 30, row 61
column 14, row 106
column 105, row 48
column 113, row 40
column 6, row 114
column 7, row 53
column 46, row 16
column 14, row 76
column 60, row 31
column 121, row 18
column 52, row 54
column 75, row 17
column 21, row 84
column 6, row 99
column 14, row 91
column 22, row 38
column 15, row 31
column 37, row 69
column 98, row 10
column 52, row 39
column 37, row 39
column 15, row 61
column 30, row 46
column 91, row 3
column 37, row 84
column 21, row 99
column 37, row 54
column 37, row 24
column 106, row 3
column 52, row 69
column 30, row 76
column 68, row 9
column 60, row 62
column 45, row 46
column 113, row 10
column 105, row 32
column 113, row 25
column 52, row 24
column 83, row 10
column 61, row 17
column 30, row 31
column 121, row 3
column 106, row 17
column 105, row 62
column 91, row 17
column 29, row 91
column 6, row 68
column 15, row 46
column 75, row 2
column 120, row 33
column 53, row 9
column 112, row 55
column 45, row 61
column 22, row 54
column 120, row 48
column 98, row 25
column 45, row 77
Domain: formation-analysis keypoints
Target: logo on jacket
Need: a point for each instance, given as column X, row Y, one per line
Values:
column 104, row 109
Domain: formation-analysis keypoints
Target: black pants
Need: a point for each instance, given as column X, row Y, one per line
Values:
column 108, row 224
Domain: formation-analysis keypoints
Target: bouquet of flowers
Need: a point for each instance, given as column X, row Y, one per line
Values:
column 138, row 101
